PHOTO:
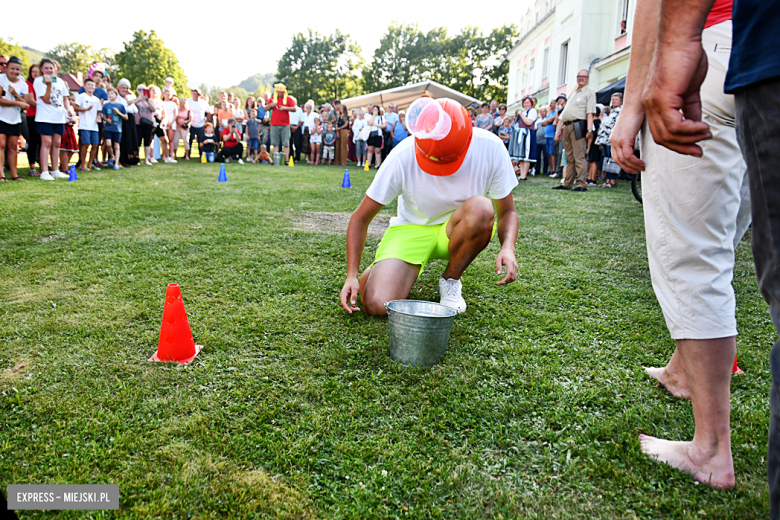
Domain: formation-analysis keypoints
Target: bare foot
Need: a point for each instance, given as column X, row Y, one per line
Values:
column 674, row 383
column 715, row 470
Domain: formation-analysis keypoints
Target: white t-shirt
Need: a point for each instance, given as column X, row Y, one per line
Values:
column 171, row 109
column 12, row 115
column 88, row 120
column 428, row 200
column 357, row 126
column 308, row 121
column 199, row 109
column 54, row 111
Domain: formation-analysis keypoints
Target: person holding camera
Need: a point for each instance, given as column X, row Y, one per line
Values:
column 576, row 129
column 231, row 143
column 182, row 131
column 50, row 114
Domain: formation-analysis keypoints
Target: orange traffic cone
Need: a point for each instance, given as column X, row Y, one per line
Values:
column 176, row 343
column 735, row 369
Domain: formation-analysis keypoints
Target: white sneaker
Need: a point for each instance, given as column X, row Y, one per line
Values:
column 240, row 161
column 153, row 160
column 227, row 159
column 168, row 160
column 60, row 175
column 147, row 163
column 449, row 290
column 46, row 176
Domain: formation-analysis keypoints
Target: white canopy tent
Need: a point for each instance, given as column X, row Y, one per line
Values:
column 404, row 96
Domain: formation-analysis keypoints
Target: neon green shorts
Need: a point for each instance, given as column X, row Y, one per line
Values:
column 416, row 244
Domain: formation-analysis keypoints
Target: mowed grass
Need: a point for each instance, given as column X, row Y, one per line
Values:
column 293, row 409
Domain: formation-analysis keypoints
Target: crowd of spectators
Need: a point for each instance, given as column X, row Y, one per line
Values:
column 119, row 126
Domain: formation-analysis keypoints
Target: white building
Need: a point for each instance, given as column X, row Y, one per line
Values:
column 559, row 38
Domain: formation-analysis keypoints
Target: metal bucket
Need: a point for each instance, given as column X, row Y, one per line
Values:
column 278, row 157
column 419, row 331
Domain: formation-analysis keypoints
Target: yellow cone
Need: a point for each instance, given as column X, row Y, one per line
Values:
column 291, row 163
column 366, row 167
column 203, row 158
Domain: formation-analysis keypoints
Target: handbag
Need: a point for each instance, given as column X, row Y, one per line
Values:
column 610, row 166
column 365, row 133
column 145, row 121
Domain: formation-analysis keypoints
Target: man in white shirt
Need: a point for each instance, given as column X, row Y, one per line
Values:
column 447, row 180
column 296, row 132
column 199, row 109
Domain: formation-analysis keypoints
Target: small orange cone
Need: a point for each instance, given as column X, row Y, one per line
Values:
column 176, row 343
column 735, row 369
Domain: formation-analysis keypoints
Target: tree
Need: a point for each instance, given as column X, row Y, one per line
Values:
column 321, row 67
column 10, row 48
column 145, row 59
column 72, row 57
column 470, row 62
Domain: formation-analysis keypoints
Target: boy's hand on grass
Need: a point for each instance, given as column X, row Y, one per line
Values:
column 506, row 258
column 349, row 294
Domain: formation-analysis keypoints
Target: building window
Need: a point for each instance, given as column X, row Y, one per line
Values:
column 518, row 80
column 623, row 25
column 525, row 77
column 545, row 63
column 564, row 63
column 537, row 17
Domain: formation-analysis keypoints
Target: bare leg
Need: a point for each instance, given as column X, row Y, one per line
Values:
column 469, row 230
column 672, row 376
column 707, row 365
column 45, row 151
column 13, row 144
column 378, row 155
column 55, row 151
column 286, row 150
column 390, row 279
column 3, row 144
column 524, row 167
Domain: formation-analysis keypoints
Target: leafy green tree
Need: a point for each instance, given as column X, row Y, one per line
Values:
column 146, row 59
column 321, row 67
column 470, row 62
column 72, row 57
column 10, row 48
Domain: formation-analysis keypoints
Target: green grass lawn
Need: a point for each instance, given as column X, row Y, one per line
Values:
column 294, row 409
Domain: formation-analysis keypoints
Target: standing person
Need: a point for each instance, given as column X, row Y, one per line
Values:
column 161, row 123
column 183, row 122
column 307, row 129
column 593, row 152
column 392, row 118
column 34, row 141
column 358, row 138
column 342, row 133
column 498, row 119
column 169, row 85
column 3, row 63
column 14, row 99
column 171, row 107
column 695, row 202
column 296, row 132
column 50, row 114
column 146, row 122
column 558, row 138
column 281, row 105
column 604, row 133
column 524, row 151
column 577, row 120
column 400, row 131
column 198, row 108
column 113, row 114
column 447, row 184
column 69, row 144
column 377, row 123
column 88, row 106
column 485, row 119
column 549, row 136
column 100, row 92
column 238, row 113
column 253, row 127
column 542, row 161
column 128, row 149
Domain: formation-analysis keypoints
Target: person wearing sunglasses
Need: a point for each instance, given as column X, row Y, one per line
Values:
column 3, row 63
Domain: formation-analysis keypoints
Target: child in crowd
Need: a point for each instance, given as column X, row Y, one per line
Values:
column 207, row 145
column 87, row 105
column 329, row 145
column 316, row 141
column 68, row 144
column 113, row 113
column 253, row 126
column 505, row 132
column 263, row 157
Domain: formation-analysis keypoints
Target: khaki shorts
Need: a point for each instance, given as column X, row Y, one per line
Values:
column 280, row 134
